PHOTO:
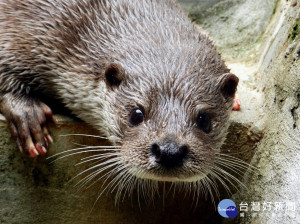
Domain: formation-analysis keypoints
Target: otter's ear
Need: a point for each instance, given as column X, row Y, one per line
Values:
column 228, row 84
column 114, row 75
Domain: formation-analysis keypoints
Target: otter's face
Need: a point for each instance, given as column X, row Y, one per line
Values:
column 171, row 127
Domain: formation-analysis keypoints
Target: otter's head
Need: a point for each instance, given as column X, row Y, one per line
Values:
column 170, row 125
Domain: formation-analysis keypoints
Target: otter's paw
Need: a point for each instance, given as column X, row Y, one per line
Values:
column 236, row 104
column 27, row 120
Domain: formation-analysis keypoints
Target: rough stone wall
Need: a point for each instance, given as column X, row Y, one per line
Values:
column 277, row 155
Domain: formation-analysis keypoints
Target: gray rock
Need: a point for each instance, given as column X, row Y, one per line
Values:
column 236, row 26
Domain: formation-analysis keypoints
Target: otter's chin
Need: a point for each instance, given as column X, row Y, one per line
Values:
column 170, row 178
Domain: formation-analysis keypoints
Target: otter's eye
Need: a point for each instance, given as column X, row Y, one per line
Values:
column 136, row 117
column 204, row 122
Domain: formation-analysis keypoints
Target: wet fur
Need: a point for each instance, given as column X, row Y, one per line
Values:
column 62, row 48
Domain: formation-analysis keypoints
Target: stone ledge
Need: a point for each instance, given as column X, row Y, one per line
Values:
column 35, row 190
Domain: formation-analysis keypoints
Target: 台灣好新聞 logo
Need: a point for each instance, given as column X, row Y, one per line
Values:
column 227, row 208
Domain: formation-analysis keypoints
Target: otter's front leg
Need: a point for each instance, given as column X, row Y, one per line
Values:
column 27, row 121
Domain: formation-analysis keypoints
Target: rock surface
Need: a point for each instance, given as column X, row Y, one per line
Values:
column 236, row 26
column 277, row 185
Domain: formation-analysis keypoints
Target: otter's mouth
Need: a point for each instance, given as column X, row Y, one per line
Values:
column 168, row 177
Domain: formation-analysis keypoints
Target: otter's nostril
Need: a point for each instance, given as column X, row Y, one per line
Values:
column 169, row 154
column 183, row 151
column 155, row 150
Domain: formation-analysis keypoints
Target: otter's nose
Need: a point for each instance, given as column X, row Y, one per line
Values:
column 169, row 154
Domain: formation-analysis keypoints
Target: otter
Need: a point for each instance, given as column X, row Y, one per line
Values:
column 139, row 71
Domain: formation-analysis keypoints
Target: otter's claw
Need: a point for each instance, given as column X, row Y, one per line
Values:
column 27, row 120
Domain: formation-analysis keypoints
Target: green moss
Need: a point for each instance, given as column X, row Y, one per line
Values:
column 295, row 30
column 195, row 17
column 275, row 8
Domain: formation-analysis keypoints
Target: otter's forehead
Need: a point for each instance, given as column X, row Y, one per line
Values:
column 175, row 88
column 166, row 96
